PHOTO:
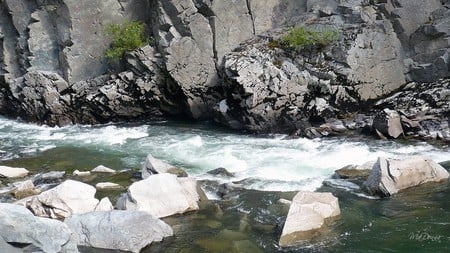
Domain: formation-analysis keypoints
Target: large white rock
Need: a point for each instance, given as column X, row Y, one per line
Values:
column 104, row 205
column 308, row 213
column 11, row 172
column 70, row 197
column 18, row 225
column 389, row 176
column 161, row 195
column 119, row 230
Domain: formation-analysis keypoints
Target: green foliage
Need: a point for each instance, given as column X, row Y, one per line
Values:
column 125, row 38
column 300, row 37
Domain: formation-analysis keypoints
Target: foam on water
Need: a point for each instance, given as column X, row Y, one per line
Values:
column 260, row 163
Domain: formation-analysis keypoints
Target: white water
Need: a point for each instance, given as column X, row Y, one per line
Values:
column 265, row 163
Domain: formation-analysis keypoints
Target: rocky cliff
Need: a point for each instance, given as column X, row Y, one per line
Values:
column 217, row 60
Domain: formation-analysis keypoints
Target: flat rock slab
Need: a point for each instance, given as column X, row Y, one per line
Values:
column 11, row 172
column 389, row 176
column 308, row 213
column 118, row 230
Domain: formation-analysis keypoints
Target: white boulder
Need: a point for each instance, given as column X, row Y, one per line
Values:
column 103, row 169
column 309, row 212
column 11, row 172
column 389, row 176
column 161, row 195
column 108, row 186
column 70, row 197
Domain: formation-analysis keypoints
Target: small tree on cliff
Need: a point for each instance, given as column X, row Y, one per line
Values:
column 125, row 38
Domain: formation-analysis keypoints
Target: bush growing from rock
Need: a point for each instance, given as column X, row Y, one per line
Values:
column 300, row 37
column 125, row 37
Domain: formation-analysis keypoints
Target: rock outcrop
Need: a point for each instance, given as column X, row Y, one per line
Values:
column 23, row 232
column 217, row 60
column 161, row 195
column 309, row 212
column 126, row 230
column 389, row 176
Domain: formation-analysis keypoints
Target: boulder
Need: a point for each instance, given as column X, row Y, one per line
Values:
column 156, row 166
column 108, row 186
column 118, row 230
column 308, row 213
column 81, row 173
column 221, row 172
column 103, row 169
column 23, row 232
column 24, row 189
column 389, row 176
column 161, row 195
column 52, row 177
column 70, row 197
column 11, row 172
column 387, row 123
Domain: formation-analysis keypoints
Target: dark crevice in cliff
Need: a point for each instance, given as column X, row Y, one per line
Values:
column 249, row 8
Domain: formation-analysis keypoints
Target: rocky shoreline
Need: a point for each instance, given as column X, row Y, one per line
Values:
column 200, row 66
column 135, row 221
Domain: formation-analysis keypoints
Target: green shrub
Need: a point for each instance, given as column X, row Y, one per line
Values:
column 300, row 37
column 125, row 38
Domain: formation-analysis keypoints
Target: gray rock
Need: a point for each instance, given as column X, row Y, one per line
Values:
column 161, row 195
column 309, row 212
column 34, row 234
column 52, row 177
column 389, row 176
column 156, row 166
column 126, row 230
column 70, row 197
column 388, row 123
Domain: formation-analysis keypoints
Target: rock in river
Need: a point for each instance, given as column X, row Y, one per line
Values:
column 11, row 172
column 308, row 213
column 118, row 230
column 389, row 176
column 161, row 195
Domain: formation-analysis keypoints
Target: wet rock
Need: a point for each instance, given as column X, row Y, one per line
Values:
column 11, row 172
column 161, row 195
column 103, row 169
column 23, row 232
column 70, row 197
column 308, row 213
column 354, row 172
column 389, row 176
column 107, row 186
column 127, row 230
column 221, row 172
column 156, row 166
column 52, row 177
column 388, row 123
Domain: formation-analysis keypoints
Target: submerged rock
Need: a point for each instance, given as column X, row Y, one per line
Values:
column 11, row 172
column 70, row 197
column 162, row 195
column 21, row 231
column 308, row 213
column 118, row 230
column 389, row 176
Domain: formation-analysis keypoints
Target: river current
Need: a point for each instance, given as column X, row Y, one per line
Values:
column 266, row 164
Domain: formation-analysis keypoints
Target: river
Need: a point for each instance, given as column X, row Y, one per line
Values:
column 415, row 221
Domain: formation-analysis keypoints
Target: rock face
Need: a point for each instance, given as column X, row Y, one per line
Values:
column 161, row 195
column 23, row 232
column 308, row 213
column 216, row 60
column 70, row 197
column 10, row 172
column 389, row 176
column 127, row 230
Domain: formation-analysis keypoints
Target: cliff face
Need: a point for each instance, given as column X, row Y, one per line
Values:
column 213, row 59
